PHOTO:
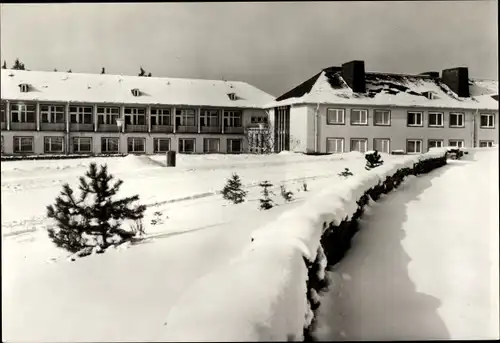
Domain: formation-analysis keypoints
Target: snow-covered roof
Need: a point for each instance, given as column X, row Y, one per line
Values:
column 391, row 90
column 105, row 88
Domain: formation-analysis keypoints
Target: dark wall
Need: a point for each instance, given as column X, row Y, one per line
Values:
column 354, row 75
column 458, row 81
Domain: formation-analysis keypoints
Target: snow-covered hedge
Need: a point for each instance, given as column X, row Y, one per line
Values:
column 270, row 291
column 54, row 156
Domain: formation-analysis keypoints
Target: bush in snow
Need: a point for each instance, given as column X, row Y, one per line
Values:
column 373, row 160
column 304, row 186
column 266, row 202
column 346, row 173
column 138, row 228
column 233, row 191
column 157, row 219
column 94, row 218
column 287, row 195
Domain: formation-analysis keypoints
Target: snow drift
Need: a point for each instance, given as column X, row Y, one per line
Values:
column 230, row 305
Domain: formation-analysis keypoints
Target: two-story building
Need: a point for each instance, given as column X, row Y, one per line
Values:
column 344, row 109
column 61, row 113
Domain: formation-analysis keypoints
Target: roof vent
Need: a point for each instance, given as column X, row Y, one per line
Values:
column 430, row 95
column 136, row 92
column 24, row 87
column 232, row 96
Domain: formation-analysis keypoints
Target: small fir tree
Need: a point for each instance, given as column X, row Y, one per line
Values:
column 346, row 173
column 55, row 69
column 149, row 75
column 287, row 195
column 94, row 214
column 4, row 65
column 373, row 160
column 69, row 71
column 266, row 202
column 142, row 72
column 18, row 65
column 233, row 191
column 304, row 186
column 103, row 70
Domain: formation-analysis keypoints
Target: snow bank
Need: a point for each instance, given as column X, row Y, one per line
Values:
column 261, row 295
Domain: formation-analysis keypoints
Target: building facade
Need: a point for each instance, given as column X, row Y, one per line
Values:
column 344, row 109
column 66, row 113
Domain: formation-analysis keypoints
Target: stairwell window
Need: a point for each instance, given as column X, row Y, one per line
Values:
column 414, row 146
column 335, row 145
column 359, row 117
column 359, row 144
column 381, row 117
column 435, row 143
column 53, row 144
column 456, row 119
column 487, row 121
column 335, row 116
column 136, row 144
column 82, row 145
column 415, row 119
column 436, row 119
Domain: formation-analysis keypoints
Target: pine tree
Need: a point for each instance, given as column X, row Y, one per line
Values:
column 373, row 160
column 287, row 195
column 55, row 69
column 143, row 72
column 265, row 202
column 4, row 65
column 233, row 191
column 94, row 213
column 18, row 65
column 304, row 186
column 346, row 173
column 103, row 70
column 69, row 71
column 149, row 75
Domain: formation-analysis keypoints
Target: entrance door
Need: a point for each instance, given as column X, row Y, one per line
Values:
column 281, row 128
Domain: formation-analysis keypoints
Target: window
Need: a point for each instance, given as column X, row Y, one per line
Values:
column 258, row 119
column 24, row 87
column 136, row 92
column 136, row 144
column 23, row 144
column 414, row 119
column 22, row 113
column 487, row 121
column 161, row 144
column 485, row 144
column 2, row 112
column 209, row 118
column 456, row 120
column 381, row 117
column 110, row 144
column 82, row 144
column 160, row 116
column 359, row 144
column 435, row 143
column 2, row 144
column 435, row 119
column 135, row 116
column 53, row 144
column 187, row 145
column 185, row 117
column 108, row 115
column 335, row 116
column 429, row 95
column 359, row 117
column 234, row 146
column 211, row 145
column 382, row 145
column 232, row 119
column 52, row 114
column 458, row 143
column 414, row 146
column 232, row 96
column 80, row 114
column 335, row 145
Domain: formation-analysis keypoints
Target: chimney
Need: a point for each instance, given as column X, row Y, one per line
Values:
column 458, row 80
column 353, row 74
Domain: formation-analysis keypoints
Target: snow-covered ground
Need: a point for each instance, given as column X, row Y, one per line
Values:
column 125, row 295
column 424, row 264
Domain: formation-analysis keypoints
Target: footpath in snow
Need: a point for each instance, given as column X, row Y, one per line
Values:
column 424, row 264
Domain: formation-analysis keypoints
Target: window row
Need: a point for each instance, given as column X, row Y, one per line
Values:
column 413, row 146
column 134, row 145
column 336, row 116
column 25, row 113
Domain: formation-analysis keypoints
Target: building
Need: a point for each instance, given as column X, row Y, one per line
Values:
column 344, row 109
column 71, row 113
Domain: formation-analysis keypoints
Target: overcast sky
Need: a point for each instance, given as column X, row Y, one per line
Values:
column 273, row 46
